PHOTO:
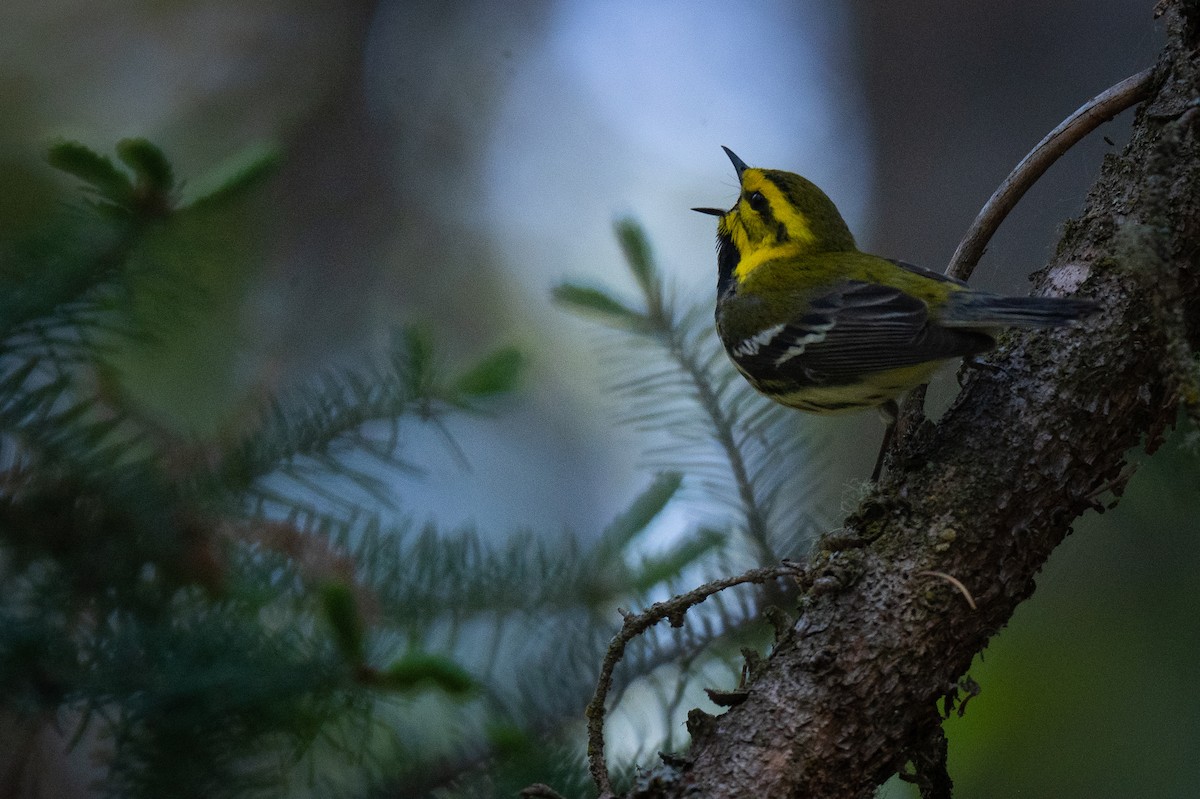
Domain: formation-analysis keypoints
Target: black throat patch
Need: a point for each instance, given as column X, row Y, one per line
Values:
column 727, row 260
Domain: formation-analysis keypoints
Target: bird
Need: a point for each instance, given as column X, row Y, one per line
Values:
column 814, row 323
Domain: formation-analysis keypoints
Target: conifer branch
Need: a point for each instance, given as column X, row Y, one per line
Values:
column 734, row 418
column 634, row 625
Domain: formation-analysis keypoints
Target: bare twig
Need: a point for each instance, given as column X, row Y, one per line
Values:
column 1091, row 115
column 954, row 581
column 636, row 624
column 1087, row 118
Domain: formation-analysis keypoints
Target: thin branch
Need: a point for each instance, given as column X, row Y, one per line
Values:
column 1090, row 115
column 954, row 581
column 1087, row 118
column 633, row 626
column 724, row 427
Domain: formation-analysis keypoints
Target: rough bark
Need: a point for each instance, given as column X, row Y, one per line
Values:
column 851, row 693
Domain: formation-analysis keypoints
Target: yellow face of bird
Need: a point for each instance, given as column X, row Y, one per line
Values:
column 763, row 217
column 779, row 214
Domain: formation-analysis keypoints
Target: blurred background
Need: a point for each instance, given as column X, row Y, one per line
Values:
column 450, row 163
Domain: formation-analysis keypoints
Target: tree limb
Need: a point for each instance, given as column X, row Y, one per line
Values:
column 636, row 624
column 1087, row 118
column 845, row 698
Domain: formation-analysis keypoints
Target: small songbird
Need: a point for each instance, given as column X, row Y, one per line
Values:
column 815, row 324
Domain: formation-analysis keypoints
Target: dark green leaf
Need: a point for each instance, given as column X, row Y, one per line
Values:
column 93, row 169
column 641, row 512
column 597, row 301
column 244, row 172
column 637, row 252
column 508, row 739
column 341, row 609
column 148, row 163
column 653, row 571
column 421, row 669
column 413, row 361
column 497, row 373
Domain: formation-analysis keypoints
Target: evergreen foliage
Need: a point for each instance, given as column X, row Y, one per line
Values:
column 705, row 419
column 215, row 615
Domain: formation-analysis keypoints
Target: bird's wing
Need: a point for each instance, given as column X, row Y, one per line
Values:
column 853, row 329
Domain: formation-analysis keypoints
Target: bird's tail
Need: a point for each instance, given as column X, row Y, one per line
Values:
column 980, row 309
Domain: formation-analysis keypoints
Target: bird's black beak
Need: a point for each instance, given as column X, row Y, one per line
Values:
column 740, row 166
column 738, row 163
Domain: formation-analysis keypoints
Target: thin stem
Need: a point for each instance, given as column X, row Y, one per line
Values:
column 633, row 626
column 1090, row 115
column 723, row 425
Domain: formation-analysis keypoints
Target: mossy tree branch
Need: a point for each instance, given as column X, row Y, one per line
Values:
column 985, row 496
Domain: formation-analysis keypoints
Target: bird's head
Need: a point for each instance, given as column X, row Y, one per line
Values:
column 777, row 213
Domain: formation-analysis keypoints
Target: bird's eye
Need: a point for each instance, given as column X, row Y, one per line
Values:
column 757, row 201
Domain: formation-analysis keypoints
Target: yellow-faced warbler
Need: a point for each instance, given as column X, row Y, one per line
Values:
column 813, row 323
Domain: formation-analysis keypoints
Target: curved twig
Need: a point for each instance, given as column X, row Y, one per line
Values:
column 636, row 624
column 954, row 581
column 1090, row 115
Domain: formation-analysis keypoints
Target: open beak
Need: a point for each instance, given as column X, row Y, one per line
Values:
column 740, row 166
column 738, row 163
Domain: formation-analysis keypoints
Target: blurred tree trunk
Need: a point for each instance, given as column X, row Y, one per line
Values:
column 855, row 690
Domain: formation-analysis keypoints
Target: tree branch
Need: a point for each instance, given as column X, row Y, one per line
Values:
column 1087, row 118
column 636, row 624
column 845, row 698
